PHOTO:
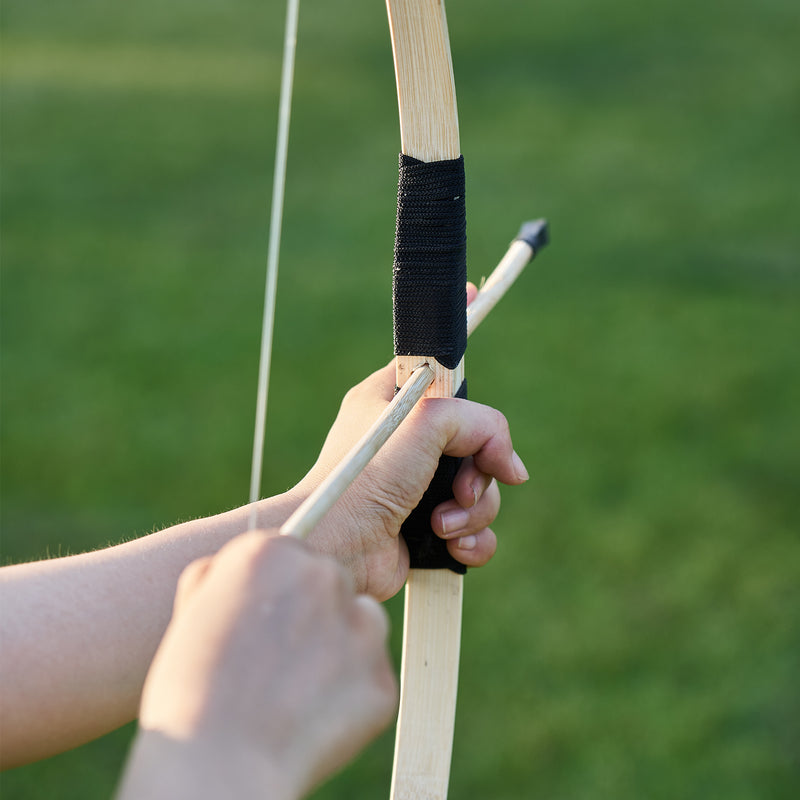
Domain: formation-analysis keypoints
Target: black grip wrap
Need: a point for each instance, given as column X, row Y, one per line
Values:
column 426, row 549
column 430, row 262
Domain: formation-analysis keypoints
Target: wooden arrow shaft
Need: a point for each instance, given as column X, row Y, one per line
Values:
column 321, row 500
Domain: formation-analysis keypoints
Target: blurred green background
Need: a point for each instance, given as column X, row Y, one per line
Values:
column 638, row 633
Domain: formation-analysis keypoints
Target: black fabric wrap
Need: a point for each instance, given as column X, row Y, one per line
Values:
column 430, row 312
column 426, row 549
column 430, row 262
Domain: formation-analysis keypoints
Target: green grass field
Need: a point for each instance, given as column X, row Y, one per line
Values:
column 638, row 634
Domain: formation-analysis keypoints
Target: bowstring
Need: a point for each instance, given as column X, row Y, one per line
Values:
column 276, row 218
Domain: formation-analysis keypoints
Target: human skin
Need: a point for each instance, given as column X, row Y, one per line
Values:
column 272, row 674
column 78, row 633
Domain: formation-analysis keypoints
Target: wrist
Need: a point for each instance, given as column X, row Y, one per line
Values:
column 162, row 767
column 272, row 512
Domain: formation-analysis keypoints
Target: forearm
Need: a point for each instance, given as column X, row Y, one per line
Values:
column 79, row 633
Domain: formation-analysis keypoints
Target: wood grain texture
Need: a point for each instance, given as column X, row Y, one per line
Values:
column 431, row 647
column 426, row 93
column 432, row 632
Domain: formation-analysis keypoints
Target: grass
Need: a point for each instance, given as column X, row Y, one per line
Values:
column 637, row 633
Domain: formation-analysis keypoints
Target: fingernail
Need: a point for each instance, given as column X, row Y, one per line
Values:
column 519, row 468
column 467, row 542
column 454, row 521
column 475, row 495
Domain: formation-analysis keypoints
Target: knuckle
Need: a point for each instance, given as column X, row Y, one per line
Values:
column 191, row 575
column 254, row 543
column 487, row 515
column 501, row 422
column 352, row 394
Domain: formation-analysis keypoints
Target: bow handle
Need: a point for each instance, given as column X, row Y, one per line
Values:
column 430, row 312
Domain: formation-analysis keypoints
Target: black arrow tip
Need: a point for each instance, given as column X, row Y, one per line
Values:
column 535, row 233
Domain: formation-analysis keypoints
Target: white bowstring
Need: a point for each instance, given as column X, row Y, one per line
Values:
column 278, row 186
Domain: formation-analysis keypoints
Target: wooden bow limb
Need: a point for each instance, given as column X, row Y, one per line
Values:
column 431, row 641
column 433, row 599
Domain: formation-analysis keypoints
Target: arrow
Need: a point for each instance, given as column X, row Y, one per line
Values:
column 309, row 513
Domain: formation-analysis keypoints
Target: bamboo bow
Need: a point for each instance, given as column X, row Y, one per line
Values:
column 432, row 630
column 433, row 599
